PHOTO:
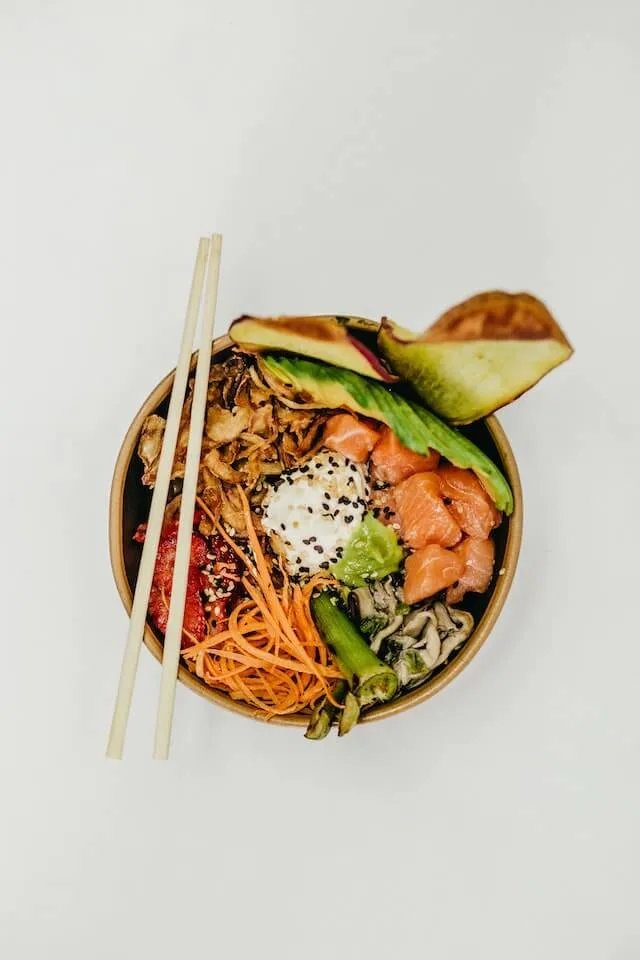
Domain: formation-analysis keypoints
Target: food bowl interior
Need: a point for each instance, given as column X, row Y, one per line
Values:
column 136, row 501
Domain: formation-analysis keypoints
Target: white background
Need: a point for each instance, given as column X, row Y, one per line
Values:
column 363, row 157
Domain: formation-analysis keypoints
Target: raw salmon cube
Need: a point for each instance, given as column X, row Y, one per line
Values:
column 422, row 514
column 393, row 462
column 349, row 436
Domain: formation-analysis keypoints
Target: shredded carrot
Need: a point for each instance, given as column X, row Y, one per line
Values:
column 270, row 653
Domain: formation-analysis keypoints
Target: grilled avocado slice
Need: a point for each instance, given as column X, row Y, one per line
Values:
column 478, row 356
column 347, row 342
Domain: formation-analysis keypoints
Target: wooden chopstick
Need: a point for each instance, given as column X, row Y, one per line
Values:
column 156, row 514
column 173, row 633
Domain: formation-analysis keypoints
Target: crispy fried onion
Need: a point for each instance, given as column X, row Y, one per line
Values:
column 149, row 447
column 253, row 430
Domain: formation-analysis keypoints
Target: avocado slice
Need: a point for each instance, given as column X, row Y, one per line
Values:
column 478, row 356
column 417, row 427
column 337, row 340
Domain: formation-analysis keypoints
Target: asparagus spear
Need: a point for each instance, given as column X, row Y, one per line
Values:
column 369, row 678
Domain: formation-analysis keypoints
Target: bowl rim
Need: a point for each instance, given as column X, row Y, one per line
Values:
column 424, row 692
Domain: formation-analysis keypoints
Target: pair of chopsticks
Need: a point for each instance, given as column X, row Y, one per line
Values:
column 205, row 275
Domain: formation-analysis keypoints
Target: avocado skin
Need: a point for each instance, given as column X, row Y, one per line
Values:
column 415, row 426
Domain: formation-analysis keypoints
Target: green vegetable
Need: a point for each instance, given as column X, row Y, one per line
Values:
column 371, row 553
column 415, row 426
column 370, row 679
column 325, row 712
column 350, row 715
column 371, row 625
column 321, row 720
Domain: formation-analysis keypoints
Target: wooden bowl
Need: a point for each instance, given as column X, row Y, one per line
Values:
column 129, row 506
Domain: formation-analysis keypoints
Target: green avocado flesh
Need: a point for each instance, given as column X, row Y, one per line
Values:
column 371, row 553
column 415, row 426
column 464, row 381
column 332, row 339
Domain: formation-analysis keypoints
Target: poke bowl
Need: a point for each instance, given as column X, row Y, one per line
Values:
column 129, row 506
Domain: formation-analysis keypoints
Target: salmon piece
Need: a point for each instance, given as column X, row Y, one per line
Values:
column 393, row 462
column 422, row 514
column 349, row 436
column 470, row 504
column 430, row 570
column 479, row 557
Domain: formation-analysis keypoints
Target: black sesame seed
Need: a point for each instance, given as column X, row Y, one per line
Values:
column 306, row 541
column 304, row 469
column 353, row 467
column 376, row 512
column 327, row 496
column 312, row 539
column 348, row 518
column 282, row 526
column 304, row 569
column 343, row 499
column 325, row 564
column 325, row 506
column 318, row 548
column 329, row 473
column 310, row 509
column 354, row 503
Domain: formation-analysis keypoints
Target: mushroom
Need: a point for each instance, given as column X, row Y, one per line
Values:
column 391, row 627
column 414, row 642
column 384, row 596
column 463, row 622
column 403, row 641
column 401, row 670
column 361, row 603
column 415, row 622
column 431, row 640
column 445, row 623
column 411, row 668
